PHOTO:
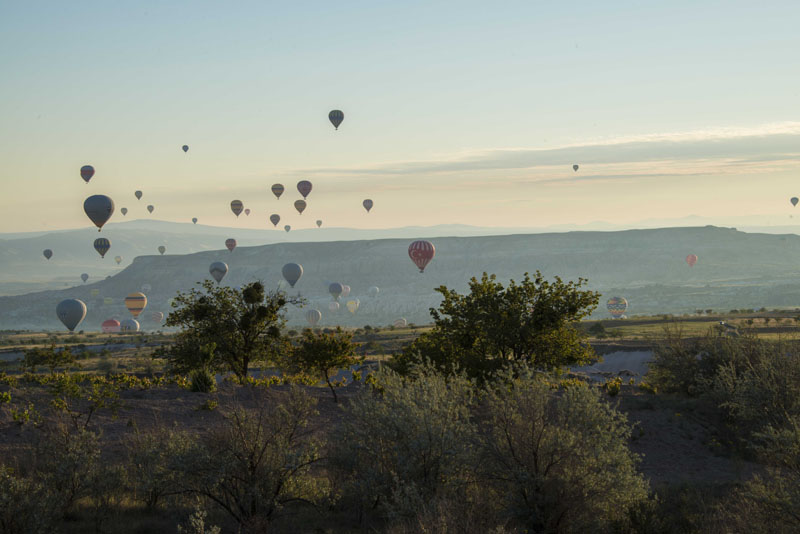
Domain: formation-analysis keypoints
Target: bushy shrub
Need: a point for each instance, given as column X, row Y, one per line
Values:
column 25, row 505
column 408, row 442
column 152, row 465
column 559, row 459
column 202, row 381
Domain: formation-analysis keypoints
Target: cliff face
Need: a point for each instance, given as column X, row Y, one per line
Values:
column 735, row 270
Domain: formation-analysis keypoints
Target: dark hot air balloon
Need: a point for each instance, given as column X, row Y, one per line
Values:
column 138, row 195
column 99, row 209
column 230, row 244
column 84, row 277
column 101, row 245
column 300, row 206
column 292, row 273
column 336, row 117
column 185, row 148
column 304, row 186
column 277, row 190
column 218, row 270
column 367, row 205
column 71, row 312
column 275, row 219
column 162, row 249
column 47, row 253
column 87, row 171
column 237, row 207
column 124, row 211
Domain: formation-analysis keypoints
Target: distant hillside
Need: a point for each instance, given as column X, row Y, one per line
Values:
column 735, row 270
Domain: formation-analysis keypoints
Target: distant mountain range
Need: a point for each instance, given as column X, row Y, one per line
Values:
column 735, row 270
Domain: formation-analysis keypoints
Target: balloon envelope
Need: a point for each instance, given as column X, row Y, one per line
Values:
column 185, row 148
column 230, row 244
column 300, row 206
column 345, row 291
column 237, row 207
column 218, row 270
column 275, row 219
column 373, row 291
column 336, row 117
column 319, row 223
column 691, row 259
column 136, row 302
column 292, row 273
column 101, row 245
column 47, row 253
column 71, row 312
column 247, row 211
column 352, row 305
column 421, row 253
column 794, row 201
column 277, row 190
column 616, row 306
column 118, row 259
column 400, row 323
column 150, row 208
column 194, row 220
column 287, row 228
column 129, row 325
column 87, row 171
column 367, row 205
column 313, row 317
column 333, row 306
column 335, row 289
column 304, row 187
column 84, row 277
column 162, row 249
column 124, row 211
column 110, row 326
column 157, row 316
column 138, row 195
column 99, row 209
column 575, row 168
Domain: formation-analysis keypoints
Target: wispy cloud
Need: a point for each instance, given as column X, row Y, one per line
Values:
column 696, row 152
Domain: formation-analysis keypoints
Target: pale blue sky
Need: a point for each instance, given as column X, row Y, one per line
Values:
column 467, row 112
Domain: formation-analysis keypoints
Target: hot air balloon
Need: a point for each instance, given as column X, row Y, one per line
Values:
column 794, row 201
column 135, row 302
column 110, row 326
column 84, row 277
column 71, row 312
column 313, row 317
column 691, row 259
column 367, row 205
column 345, row 291
column 336, row 117
column 352, row 305
column 247, row 211
column 237, row 207
column 118, row 259
column 101, row 245
column 319, row 223
column 230, row 244
column 218, row 270
column 287, row 228
column 150, row 208
column 157, row 316
column 575, row 168
column 373, row 291
column 138, row 195
column 162, row 249
column 304, row 186
column 300, row 206
column 275, row 219
column 94, row 292
column 124, row 211
column 194, row 220
column 617, row 306
column 47, row 253
column 400, row 323
column 185, row 148
column 129, row 325
column 107, row 301
column 292, row 273
column 333, row 306
column 277, row 190
column 87, row 171
column 99, row 209
column 421, row 253
column 335, row 289
column 146, row 288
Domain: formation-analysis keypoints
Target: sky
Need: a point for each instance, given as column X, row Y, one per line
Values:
column 455, row 112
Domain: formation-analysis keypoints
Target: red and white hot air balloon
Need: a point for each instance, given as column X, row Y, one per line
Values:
column 421, row 253
column 691, row 259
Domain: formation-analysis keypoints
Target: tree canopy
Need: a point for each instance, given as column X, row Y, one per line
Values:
column 481, row 331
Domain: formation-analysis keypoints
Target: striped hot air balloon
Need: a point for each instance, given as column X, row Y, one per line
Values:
column 304, row 187
column 616, row 306
column 101, row 245
column 277, row 190
column 336, row 117
column 237, row 207
column 136, row 303
column 421, row 253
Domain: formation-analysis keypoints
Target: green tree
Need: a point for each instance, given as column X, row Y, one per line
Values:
column 48, row 357
column 324, row 354
column 243, row 326
column 492, row 325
